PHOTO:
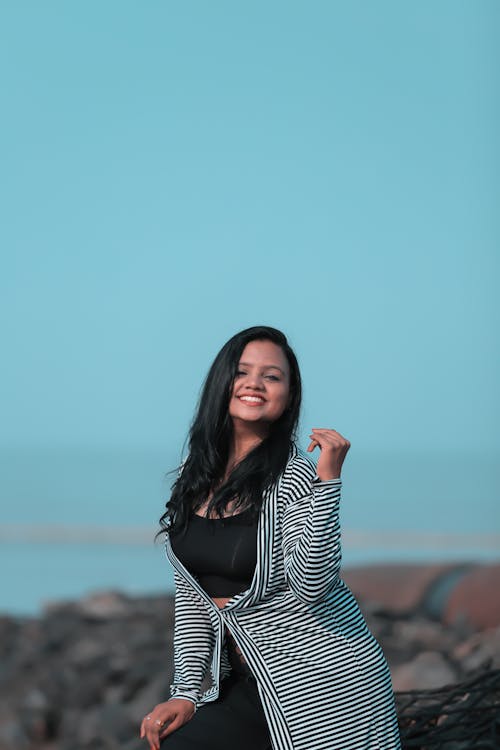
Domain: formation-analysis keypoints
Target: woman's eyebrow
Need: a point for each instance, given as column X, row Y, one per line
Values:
column 264, row 367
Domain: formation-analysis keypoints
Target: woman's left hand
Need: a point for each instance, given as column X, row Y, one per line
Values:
column 333, row 448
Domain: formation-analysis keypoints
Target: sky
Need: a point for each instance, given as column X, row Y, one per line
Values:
column 173, row 172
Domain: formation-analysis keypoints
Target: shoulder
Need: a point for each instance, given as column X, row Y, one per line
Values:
column 299, row 473
column 300, row 464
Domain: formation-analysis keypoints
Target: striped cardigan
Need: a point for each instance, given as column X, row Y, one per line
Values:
column 321, row 675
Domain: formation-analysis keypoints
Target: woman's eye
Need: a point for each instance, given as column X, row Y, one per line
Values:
column 239, row 373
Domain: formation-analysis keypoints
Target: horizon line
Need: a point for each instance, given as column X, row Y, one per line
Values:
column 137, row 535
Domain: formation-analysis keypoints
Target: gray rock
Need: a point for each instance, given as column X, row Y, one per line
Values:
column 104, row 605
column 425, row 634
column 111, row 725
column 427, row 670
column 481, row 650
column 12, row 736
column 155, row 691
column 85, row 650
column 83, row 675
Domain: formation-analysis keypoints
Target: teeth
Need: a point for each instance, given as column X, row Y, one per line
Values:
column 254, row 399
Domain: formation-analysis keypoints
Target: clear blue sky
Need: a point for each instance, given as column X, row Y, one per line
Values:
column 173, row 172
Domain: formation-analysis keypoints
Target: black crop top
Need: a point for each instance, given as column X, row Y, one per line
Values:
column 220, row 552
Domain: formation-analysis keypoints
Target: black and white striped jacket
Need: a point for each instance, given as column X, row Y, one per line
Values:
column 322, row 677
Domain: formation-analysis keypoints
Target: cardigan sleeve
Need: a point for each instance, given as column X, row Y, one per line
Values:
column 311, row 532
column 194, row 640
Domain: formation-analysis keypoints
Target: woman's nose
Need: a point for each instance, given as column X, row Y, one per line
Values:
column 254, row 380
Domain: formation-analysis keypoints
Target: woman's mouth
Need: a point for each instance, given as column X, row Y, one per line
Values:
column 252, row 400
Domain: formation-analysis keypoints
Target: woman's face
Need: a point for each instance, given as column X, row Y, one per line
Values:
column 261, row 388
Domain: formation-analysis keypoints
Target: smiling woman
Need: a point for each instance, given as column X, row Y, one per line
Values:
column 261, row 389
column 253, row 535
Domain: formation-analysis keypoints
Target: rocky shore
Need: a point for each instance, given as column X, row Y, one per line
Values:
column 83, row 674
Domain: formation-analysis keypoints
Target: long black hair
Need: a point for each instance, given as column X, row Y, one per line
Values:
column 210, row 440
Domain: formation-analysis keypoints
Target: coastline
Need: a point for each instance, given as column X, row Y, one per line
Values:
column 53, row 562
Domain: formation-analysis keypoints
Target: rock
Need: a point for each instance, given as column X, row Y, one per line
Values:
column 139, row 676
column 425, row 634
column 134, row 744
column 110, row 725
column 481, row 650
column 86, row 650
column 12, row 736
column 458, row 594
column 86, row 690
column 471, row 599
column 39, row 721
column 104, row 605
column 155, row 691
column 427, row 670
column 83, row 675
column 58, row 626
column 396, row 587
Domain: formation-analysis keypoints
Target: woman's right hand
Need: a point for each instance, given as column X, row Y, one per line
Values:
column 175, row 712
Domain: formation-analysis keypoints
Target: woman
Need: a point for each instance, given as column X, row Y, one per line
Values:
column 260, row 609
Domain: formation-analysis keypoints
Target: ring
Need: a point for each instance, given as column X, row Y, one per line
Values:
column 160, row 723
column 148, row 718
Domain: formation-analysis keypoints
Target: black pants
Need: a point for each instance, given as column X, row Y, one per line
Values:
column 235, row 720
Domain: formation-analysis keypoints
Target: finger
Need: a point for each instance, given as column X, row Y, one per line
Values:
column 326, row 432
column 327, row 437
column 153, row 739
column 321, row 439
column 323, row 432
column 145, row 724
column 312, row 445
column 175, row 724
column 152, row 735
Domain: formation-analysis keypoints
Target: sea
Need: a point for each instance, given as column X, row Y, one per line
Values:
column 76, row 521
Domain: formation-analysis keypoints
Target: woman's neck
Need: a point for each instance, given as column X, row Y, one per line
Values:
column 245, row 439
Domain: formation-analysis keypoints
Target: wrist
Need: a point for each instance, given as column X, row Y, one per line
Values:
column 325, row 478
